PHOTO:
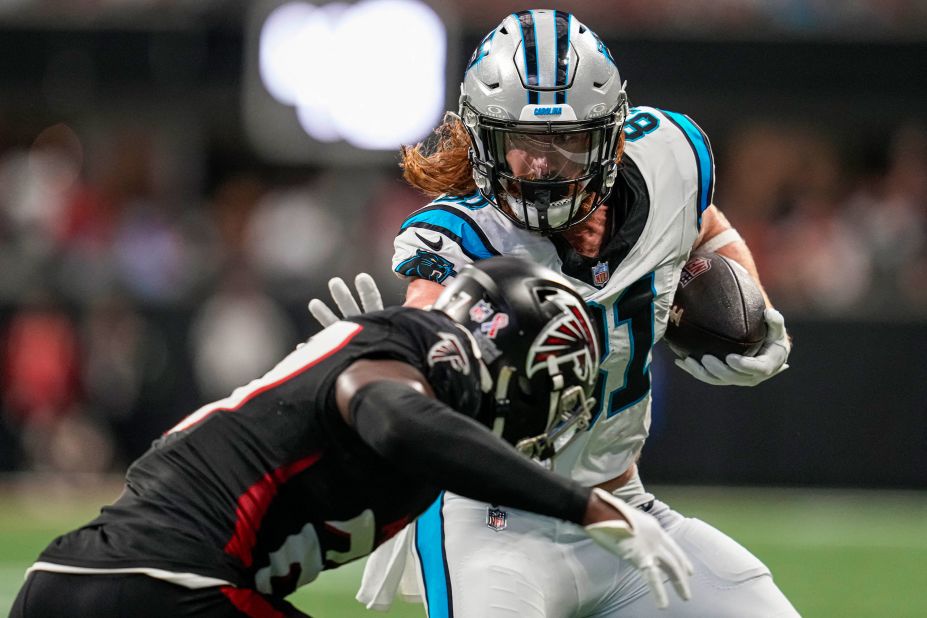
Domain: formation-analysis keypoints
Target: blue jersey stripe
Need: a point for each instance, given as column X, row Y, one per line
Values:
column 455, row 225
column 704, row 158
column 429, row 545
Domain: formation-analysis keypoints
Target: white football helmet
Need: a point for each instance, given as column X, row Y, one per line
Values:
column 544, row 105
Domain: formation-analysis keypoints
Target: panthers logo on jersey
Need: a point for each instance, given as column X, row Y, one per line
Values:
column 427, row 265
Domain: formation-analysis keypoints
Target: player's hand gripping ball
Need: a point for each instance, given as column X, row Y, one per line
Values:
column 717, row 310
column 720, row 327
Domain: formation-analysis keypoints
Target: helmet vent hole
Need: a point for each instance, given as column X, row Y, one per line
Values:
column 598, row 84
column 503, row 30
column 582, row 29
column 493, row 86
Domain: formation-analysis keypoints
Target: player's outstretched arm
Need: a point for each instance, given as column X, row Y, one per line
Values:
column 367, row 290
column 426, row 438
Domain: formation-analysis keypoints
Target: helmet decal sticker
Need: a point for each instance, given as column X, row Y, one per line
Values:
column 481, row 311
column 481, row 52
column 498, row 322
column 569, row 337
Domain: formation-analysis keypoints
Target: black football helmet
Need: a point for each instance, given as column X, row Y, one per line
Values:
column 537, row 341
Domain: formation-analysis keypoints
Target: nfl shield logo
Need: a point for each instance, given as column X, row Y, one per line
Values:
column 600, row 274
column 481, row 311
column 693, row 268
column 495, row 519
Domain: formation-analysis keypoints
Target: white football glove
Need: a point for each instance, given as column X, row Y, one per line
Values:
column 367, row 290
column 642, row 541
column 746, row 370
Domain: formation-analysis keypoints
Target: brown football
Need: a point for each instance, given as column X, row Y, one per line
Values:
column 718, row 309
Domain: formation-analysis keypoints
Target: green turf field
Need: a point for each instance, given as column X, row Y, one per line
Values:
column 835, row 554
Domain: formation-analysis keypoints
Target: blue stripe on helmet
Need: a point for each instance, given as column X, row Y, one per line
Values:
column 429, row 545
column 562, row 23
column 704, row 159
column 529, row 40
column 455, row 225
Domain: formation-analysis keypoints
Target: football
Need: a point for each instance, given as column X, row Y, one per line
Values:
column 718, row 309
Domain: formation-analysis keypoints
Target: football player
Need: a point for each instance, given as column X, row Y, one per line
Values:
column 343, row 443
column 547, row 161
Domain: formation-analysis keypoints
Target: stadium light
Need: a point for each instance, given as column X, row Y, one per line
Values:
column 371, row 74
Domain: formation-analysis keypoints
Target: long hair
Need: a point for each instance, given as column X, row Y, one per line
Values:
column 441, row 164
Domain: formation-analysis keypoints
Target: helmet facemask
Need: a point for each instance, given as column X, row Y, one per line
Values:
column 569, row 413
column 544, row 176
column 557, row 377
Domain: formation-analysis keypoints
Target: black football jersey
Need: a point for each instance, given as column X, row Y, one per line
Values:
column 269, row 486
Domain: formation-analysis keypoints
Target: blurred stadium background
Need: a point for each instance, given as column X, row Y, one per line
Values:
column 178, row 178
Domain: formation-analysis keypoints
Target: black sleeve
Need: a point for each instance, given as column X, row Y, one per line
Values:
column 426, row 438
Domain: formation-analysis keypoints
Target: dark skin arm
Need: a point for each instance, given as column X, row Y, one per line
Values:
column 365, row 372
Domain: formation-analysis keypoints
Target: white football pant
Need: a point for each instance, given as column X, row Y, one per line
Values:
column 538, row 567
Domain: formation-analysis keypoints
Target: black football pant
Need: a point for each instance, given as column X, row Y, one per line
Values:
column 54, row 595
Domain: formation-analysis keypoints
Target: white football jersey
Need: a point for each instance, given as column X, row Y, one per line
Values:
column 665, row 184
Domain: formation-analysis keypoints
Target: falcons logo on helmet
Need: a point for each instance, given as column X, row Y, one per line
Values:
column 569, row 337
column 449, row 350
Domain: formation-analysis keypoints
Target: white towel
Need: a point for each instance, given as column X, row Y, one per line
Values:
column 391, row 569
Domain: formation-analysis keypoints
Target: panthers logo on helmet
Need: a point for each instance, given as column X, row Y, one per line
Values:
column 568, row 338
column 427, row 265
column 449, row 350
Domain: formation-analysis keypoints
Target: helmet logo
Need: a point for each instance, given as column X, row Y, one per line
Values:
column 495, row 111
column 492, row 328
column 481, row 311
column 449, row 350
column 600, row 46
column 482, row 51
column 569, row 337
column 548, row 111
